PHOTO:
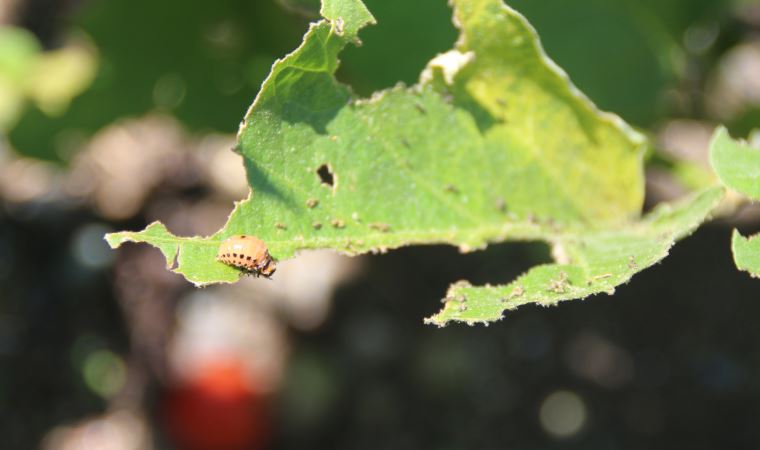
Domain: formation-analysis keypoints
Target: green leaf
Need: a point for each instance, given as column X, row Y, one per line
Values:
column 590, row 263
column 746, row 253
column 738, row 167
column 736, row 163
column 494, row 143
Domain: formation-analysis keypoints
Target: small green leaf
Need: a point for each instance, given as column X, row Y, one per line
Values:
column 590, row 263
column 746, row 253
column 736, row 163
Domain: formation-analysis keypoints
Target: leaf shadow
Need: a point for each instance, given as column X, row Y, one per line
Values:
column 262, row 185
column 313, row 98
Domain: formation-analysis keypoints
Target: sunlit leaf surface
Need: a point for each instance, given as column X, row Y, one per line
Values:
column 494, row 143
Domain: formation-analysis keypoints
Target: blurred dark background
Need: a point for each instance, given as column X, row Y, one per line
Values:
column 117, row 113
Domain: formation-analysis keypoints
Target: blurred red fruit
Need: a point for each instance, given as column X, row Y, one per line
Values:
column 216, row 410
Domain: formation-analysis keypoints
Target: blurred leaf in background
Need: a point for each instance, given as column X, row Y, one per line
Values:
column 49, row 79
column 627, row 55
column 18, row 49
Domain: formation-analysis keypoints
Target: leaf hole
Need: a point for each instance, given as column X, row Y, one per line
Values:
column 326, row 175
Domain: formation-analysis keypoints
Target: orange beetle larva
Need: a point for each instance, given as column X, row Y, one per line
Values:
column 248, row 253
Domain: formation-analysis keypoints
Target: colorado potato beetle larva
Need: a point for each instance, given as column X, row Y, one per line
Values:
column 248, row 253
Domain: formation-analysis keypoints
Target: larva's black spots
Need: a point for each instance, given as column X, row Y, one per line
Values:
column 248, row 253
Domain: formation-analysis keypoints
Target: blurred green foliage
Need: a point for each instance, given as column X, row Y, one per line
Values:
column 202, row 64
column 622, row 53
column 48, row 79
column 417, row 30
column 18, row 50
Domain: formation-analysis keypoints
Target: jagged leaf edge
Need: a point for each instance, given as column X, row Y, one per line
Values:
column 561, row 280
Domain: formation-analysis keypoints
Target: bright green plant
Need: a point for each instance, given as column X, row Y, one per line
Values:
column 493, row 143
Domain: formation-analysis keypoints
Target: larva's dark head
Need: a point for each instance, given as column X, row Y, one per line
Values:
column 268, row 268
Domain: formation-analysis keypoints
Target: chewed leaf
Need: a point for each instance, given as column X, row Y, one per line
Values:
column 493, row 144
column 182, row 254
column 597, row 263
column 746, row 253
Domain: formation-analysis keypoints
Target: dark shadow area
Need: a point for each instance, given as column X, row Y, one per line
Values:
column 407, row 35
column 53, row 313
column 682, row 346
column 667, row 362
